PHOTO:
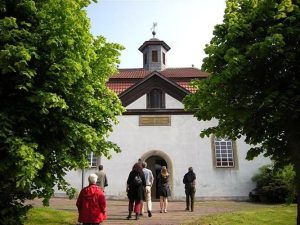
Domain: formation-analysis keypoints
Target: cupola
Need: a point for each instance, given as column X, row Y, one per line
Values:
column 154, row 54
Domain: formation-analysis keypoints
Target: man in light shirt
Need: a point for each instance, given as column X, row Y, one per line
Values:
column 102, row 179
column 149, row 181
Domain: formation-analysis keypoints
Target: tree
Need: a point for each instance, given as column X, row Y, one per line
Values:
column 55, row 107
column 274, row 184
column 254, row 85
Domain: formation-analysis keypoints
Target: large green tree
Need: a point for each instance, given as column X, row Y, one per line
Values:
column 55, row 107
column 254, row 84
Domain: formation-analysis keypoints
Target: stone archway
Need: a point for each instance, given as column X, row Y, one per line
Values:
column 155, row 160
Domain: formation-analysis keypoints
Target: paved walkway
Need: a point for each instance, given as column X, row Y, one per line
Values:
column 176, row 215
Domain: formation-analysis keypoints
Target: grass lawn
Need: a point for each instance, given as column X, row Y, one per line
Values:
column 271, row 215
column 50, row 216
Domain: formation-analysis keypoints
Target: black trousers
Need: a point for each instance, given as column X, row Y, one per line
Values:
column 190, row 197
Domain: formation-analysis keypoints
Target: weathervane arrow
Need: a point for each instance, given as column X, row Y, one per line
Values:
column 153, row 29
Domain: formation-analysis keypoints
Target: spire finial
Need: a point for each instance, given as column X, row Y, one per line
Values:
column 153, row 29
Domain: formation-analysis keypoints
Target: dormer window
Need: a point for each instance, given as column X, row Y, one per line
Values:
column 164, row 58
column 156, row 99
column 154, row 56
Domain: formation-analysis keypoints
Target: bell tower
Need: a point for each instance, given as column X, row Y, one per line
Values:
column 154, row 53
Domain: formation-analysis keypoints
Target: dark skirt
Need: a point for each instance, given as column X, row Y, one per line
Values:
column 136, row 193
column 164, row 191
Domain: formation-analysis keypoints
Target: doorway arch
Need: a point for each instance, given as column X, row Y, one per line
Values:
column 155, row 159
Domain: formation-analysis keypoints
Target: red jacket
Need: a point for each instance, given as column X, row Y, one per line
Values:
column 91, row 205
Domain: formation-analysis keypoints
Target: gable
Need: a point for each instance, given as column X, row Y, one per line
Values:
column 141, row 103
column 153, row 80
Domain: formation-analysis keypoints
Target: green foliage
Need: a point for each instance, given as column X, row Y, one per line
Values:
column 275, row 185
column 254, row 85
column 253, row 89
column 55, row 106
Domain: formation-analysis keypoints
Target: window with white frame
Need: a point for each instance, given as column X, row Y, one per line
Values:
column 224, row 154
column 92, row 160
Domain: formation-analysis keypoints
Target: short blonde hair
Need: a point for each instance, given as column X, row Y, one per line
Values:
column 93, row 178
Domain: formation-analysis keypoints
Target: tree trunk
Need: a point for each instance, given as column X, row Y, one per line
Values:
column 294, row 144
column 297, row 168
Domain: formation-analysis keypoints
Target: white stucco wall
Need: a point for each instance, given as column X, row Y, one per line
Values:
column 140, row 103
column 184, row 147
column 172, row 103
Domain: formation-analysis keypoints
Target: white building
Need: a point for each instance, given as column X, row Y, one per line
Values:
column 156, row 129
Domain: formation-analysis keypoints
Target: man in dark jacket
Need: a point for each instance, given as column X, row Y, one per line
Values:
column 189, row 180
column 91, row 203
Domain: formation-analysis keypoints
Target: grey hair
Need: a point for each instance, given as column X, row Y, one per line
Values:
column 93, row 178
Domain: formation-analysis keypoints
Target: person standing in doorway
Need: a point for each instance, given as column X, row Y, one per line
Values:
column 163, row 189
column 149, row 182
column 189, row 181
column 91, row 203
column 102, row 179
column 135, row 190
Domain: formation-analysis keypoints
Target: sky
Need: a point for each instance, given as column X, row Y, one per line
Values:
column 185, row 25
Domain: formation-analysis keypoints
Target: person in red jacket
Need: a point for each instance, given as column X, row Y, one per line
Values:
column 91, row 203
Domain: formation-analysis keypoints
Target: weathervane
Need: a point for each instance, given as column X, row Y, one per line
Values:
column 153, row 29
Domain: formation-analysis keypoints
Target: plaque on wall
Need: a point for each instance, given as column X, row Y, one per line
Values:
column 155, row 120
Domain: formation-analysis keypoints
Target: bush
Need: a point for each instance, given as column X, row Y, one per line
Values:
column 275, row 185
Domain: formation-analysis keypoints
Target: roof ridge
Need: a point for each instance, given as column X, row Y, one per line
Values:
column 182, row 68
column 131, row 69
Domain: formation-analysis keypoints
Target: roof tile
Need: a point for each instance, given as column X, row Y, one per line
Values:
column 169, row 72
column 125, row 78
column 187, row 86
column 120, row 86
column 131, row 73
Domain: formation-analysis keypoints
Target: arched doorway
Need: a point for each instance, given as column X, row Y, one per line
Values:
column 154, row 163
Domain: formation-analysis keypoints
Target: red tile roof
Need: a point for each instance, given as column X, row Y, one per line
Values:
column 184, row 73
column 125, row 78
column 120, row 86
column 131, row 73
column 186, row 86
column 170, row 72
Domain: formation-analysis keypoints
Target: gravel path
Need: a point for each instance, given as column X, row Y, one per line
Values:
column 176, row 215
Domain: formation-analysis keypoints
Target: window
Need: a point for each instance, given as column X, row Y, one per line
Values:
column 155, row 99
column 224, row 156
column 145, row 58
column 154, row 56
column 164, row 58
column 92, row 160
